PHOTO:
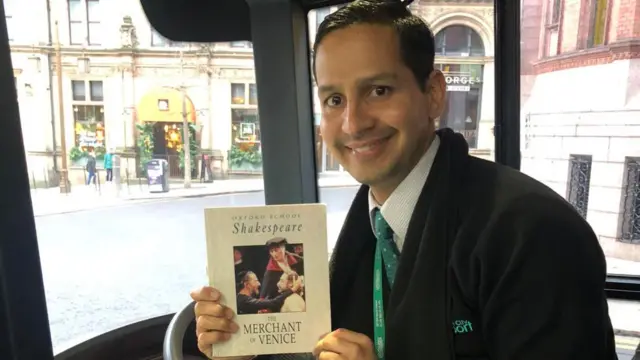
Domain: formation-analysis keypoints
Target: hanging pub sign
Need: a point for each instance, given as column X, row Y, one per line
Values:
column 163, row 105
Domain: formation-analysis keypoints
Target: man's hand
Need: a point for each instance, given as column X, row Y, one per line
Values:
column 213, row 321
column 344, row 344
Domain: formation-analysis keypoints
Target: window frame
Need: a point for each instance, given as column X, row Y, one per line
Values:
column 579, row 200
column 85, row 23
column 246, row 105
column 88, row 101
column 9, row 21
column 92, row 22
column 598, row 23
column 163, row 41
column 290, row 176
column 627, row 216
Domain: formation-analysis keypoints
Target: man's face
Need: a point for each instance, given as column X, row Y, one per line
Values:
column 277, row 253
column 284, row 284
column 253, row 284
column 237, row 255
column 375, row 119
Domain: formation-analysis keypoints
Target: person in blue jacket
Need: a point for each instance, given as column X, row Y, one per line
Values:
column 108, row 164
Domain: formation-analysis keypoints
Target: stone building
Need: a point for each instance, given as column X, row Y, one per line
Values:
column 119, row 76
column 581, row 111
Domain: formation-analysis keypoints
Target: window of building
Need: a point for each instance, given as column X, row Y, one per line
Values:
column 246, row 153
column 158, row 40
column 244, row 94
column 245, row 126
column 253, row 94
column 598, row 23
column 552, row 28
column 84, row 22
column 238, row 94
column 554, row 13
column 462, row 109
column 9, row 13
column 463, row 78
column 241, row 44
column 629, row 219
column 458, row 40
column 88, row 115
column 93, row 22
column 579, row 182
column 320, row 15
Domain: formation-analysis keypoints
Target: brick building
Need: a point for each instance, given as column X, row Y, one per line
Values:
column 581, row 111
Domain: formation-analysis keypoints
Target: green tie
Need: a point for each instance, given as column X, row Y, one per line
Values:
column 389, row 249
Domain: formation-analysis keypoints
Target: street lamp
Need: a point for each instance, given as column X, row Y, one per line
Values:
column 83, row 67
column 64, row 171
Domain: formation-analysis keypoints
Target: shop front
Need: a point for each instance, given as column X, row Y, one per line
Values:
column 460, row 57
column 245, row 155
column 160, row 129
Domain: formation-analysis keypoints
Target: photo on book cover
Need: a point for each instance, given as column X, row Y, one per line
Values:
column 265, row 273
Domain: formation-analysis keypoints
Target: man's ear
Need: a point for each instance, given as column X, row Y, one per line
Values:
column 436, row 91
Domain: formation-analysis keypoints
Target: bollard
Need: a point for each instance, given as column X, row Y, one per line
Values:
column 97, row 181
column 126, row 170
column 115, row 174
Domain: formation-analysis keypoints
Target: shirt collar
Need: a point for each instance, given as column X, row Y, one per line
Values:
column 398, row 208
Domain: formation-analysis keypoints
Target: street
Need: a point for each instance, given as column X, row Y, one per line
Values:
column 113, row 266
column 110, row 267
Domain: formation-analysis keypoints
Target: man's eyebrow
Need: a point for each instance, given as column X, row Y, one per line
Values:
column 364, row 80
column 378, row 77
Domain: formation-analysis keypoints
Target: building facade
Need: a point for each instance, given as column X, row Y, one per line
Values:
column 581, row 111
column 124, row 87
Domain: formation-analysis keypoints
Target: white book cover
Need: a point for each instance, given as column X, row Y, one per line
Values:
column 270, row 264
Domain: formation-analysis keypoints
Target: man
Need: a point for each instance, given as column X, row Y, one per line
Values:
column 250, row 287
column 108, row 164
column 280, row 261
column 294, row 302
column 473, row 260
column 238, row 262
column 91, row 167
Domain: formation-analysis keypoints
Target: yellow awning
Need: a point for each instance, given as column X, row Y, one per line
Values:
column 164, row 105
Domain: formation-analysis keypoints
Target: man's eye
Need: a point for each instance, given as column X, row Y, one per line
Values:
column 381, row 90
column 334, row 100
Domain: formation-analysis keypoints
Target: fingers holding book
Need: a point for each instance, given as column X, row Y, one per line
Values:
column 214, row 321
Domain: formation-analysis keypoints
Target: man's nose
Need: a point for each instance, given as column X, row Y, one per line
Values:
column 354, row 119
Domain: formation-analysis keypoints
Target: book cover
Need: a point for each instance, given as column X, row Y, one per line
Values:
column 256, row 258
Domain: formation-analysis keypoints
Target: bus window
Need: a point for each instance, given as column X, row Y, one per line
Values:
column 116, row 247
column 580, row 127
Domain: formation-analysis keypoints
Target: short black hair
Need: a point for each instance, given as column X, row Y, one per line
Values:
column 417, row 46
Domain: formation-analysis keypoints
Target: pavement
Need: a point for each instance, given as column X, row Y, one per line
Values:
column 82, row 197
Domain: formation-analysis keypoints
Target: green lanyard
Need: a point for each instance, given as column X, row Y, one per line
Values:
column 378, row 306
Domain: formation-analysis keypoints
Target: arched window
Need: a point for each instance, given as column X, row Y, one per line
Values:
column 464, row 79
column 459, row 40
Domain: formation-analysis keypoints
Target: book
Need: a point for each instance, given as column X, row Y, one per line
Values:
column 256, row 258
